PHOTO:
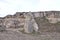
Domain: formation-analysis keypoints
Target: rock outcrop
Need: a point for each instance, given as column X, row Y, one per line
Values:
column 26, row 20
column 30, row 24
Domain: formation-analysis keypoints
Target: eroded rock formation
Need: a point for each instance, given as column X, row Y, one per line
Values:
column 30, row 24
column 26, row 20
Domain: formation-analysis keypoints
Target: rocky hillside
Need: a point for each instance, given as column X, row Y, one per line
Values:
column 17, row 20
column 47, row 30
column 45, row 26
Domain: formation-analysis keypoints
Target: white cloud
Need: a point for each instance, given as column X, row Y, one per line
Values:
column 11, row 6
column 49, row 5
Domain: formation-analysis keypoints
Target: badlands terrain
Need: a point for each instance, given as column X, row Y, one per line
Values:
column 11, row 29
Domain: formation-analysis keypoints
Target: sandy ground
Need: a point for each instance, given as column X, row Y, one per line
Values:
column 13, row 35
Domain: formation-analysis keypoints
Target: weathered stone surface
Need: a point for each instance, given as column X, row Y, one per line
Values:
column 35, row 25
column 28, row 27
column 53, row 18
column 47, row 31
column 13, row 23
column 27, row 19
column 30, row 24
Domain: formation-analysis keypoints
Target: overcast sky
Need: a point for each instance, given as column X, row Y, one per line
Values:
column 12, row 6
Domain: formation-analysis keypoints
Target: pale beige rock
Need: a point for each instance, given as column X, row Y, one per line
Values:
column 30, row 24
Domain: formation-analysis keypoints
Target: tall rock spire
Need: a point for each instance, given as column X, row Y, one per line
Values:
column 30, row 23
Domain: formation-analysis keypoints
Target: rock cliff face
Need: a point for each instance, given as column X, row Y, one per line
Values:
column 18, row 20
column 13, row 21
column 30, row 24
